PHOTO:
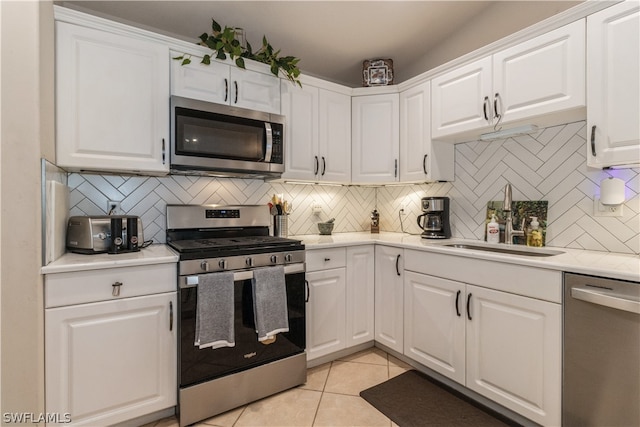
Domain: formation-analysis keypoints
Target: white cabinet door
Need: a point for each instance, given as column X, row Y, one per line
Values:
column 325, row 312
column 253, row 90
column 434, row 336
column 540, row 76
column 375, row 138
column 113, row 361
column 389, row 297
column 613, row 110
column 225, row 84
column 420, row 158
column 334, row 137
column 360, row 295
column 199, row 81
column 460, row 99
column 112, row 101
column 300, row 106
column 514, row 348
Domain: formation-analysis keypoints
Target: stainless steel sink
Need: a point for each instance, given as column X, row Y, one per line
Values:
column 535, row 252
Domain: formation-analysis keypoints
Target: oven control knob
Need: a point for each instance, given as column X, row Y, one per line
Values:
column 222, row 264
column 288, row 257
column 204, row 266
column 249, row 262
column 274, row 259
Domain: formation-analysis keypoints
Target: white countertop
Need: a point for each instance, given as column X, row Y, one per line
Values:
column 607, row 264
column 154, row 254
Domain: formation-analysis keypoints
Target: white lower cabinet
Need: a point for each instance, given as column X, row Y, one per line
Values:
column 340, row 306
column 435, row 324
column 504, row 346
column 360, row 294
column 115, row 359
column 389, row 300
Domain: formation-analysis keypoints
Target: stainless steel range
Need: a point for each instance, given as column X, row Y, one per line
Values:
column 232, row 243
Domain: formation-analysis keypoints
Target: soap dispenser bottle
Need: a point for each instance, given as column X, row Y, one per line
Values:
column 534, row 234
column 493, row 230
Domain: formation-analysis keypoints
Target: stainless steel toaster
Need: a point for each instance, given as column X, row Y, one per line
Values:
column 104, row 234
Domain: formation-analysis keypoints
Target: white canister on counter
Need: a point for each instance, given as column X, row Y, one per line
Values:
column 493, row 230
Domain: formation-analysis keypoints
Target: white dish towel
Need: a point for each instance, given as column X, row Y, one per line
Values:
column 215, row 311
column 270, row 302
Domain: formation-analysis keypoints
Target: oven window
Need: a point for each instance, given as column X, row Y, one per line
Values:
column 198, row 365
column 213, row 135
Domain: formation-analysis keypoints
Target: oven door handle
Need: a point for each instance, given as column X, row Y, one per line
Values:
column 192, row 281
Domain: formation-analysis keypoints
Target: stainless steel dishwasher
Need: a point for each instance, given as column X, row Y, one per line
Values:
column 601, row 357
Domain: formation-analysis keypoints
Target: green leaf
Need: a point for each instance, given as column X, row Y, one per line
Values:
column 204, row 37
column 221, row 55
column 215, row 26
column 206, row 60
column 240, row 63
column 274, row 69
column 186, row 61
column 178, row 58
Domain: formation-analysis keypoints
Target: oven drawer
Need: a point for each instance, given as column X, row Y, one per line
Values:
column 80, row 287
column 325, row 259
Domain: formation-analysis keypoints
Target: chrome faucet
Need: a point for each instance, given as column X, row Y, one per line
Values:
column 509, row 232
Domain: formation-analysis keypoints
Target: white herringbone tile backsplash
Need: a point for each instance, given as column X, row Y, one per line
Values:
column 148, row 197
column 549, row 165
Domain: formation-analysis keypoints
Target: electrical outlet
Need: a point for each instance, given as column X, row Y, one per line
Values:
column 316, row 208
column 601, row 210
column 113, row 208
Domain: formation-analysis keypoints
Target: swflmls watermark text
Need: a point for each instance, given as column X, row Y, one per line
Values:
column 34, row 418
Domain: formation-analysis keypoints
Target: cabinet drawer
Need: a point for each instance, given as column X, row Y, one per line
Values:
column 97, row 285
column 324, row 259
column 517, row 279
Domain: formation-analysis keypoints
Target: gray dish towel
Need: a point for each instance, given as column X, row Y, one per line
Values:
column 215, row 311
column 270, row 302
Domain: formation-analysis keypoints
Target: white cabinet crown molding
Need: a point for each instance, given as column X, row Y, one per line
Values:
column 576, row 13
column 176, row 46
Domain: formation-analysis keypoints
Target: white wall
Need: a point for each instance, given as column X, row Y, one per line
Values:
column 27, row 115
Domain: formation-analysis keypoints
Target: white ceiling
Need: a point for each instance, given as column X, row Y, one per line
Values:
column 332, row 38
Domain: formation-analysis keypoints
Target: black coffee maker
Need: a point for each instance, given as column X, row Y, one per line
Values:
column 435, row 219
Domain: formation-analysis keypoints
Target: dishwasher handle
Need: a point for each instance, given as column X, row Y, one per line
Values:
column 608, row 300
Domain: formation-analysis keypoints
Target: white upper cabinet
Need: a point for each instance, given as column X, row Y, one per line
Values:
column 375, row 138
column 460, row 99
column 421, row 159
column 527, row 81
column 540, row 76
column 318, row 133
column 112, row 101
column 225, row 84
column 613, row 88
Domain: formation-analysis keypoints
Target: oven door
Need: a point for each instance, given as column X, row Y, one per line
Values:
column 199, row 365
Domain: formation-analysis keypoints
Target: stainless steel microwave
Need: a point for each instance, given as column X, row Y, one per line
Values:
column 220, row 140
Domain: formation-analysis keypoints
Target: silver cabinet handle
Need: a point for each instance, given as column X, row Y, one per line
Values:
column 593, row 140
column 607, row 300
column 115, row 290
column 395, row 170
column 424, row 164
column 316, row 167
column 226, row 90
column 164, row 157
column 324, row 165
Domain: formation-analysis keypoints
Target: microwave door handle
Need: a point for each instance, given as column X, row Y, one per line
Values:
column 269, row 146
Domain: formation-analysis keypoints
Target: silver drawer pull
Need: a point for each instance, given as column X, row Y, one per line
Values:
column 116, row 289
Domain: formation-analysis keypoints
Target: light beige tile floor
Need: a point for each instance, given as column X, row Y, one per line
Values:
column 330, row 397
